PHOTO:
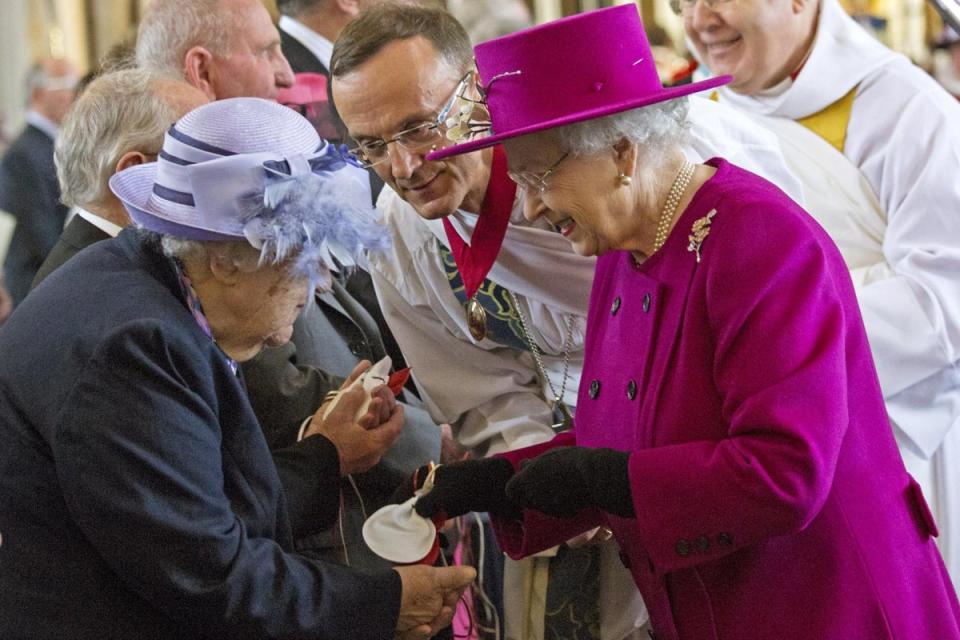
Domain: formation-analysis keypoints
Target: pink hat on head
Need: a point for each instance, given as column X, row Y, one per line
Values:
column 578, row 68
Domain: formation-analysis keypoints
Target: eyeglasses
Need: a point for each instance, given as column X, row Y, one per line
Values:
column 416, row 138
column 534, row 181
column 681, row 7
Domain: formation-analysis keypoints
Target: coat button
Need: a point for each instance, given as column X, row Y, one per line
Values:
column 594, row 389
column 646, row 302
column 703, row 544
column 358, row 348
column 615, row 307
column 631, row 390
column 683, row 548
column 725, row 539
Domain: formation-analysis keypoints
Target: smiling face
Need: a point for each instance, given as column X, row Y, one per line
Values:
column 758, row 42
column 255, row 66
column 404, row 85
column 581, row 198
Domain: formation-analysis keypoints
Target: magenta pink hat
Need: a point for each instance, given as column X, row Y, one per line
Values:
column 578, row 68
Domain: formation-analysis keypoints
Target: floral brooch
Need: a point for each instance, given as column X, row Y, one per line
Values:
column 699, row 232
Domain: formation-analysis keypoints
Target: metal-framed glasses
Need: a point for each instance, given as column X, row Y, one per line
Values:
column 535, row 181
column 426, row 134
column 681, row 7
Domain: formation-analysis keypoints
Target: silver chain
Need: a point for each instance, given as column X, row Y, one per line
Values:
column 535, row 350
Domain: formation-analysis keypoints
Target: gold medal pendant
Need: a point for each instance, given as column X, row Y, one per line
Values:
column 476, row 319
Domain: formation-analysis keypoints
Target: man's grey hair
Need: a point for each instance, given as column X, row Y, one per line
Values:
column 118, row 112
column 170, row 28
column 656, row 129
column 36, row 77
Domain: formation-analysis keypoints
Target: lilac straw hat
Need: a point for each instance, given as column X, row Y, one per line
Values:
column 252, row 169
column 577, row 68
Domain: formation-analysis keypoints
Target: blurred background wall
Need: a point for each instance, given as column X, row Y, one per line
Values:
column 85, row 30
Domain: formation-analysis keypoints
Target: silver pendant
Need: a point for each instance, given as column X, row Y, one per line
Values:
column 476, row 320
column 562, row 415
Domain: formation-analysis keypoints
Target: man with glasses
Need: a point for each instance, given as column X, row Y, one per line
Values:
column 875, row 141
column 496, row 349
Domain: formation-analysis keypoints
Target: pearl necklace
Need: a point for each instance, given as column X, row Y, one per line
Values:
column 679, row 187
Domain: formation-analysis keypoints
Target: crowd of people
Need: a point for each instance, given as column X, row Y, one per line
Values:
column 691, row 353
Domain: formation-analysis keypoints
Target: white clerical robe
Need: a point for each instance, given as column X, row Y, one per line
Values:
column 895, row 214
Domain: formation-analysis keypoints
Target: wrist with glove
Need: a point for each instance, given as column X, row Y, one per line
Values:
column 563, row 481
column 560, row 482
column 462, row 487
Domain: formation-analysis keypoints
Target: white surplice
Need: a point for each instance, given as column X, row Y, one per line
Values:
column 894, row 211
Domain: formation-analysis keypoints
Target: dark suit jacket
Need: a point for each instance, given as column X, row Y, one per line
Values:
column 138, row 498
column 79, row 234
column 29, row 190
column 333, row 337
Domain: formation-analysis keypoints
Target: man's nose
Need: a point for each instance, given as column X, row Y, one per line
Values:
column 403, row 162
column 700, row 17
column 283, row 74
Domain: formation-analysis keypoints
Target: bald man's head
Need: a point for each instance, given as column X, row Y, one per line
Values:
column 225, row 48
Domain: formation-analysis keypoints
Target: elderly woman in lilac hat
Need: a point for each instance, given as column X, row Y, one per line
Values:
column 138, row 498
column 730, row 429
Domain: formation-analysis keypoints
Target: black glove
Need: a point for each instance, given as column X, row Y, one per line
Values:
column 562, row 482
column 469, row 485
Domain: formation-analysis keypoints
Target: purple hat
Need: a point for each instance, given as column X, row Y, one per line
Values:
column 252, row 169
column 577, row 68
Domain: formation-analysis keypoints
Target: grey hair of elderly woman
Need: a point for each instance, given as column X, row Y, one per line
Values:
column 657, row 129
column 239, row 253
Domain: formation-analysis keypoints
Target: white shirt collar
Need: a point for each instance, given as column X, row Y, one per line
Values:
column 43, row 123
column 316, row 43
column 103, row 224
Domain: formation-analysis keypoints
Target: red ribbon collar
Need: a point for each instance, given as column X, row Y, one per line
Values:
column 474, row 260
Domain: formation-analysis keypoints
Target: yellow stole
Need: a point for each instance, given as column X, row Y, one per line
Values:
column 830, row 123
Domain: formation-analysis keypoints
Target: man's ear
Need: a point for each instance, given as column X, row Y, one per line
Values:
column 200, row 71
column 131, row 159
column 349, row 7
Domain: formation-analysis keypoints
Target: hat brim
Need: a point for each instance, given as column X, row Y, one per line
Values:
column 134, row 186
column 572, row 118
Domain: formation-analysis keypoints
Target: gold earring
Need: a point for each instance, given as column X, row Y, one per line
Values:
column 625, row 180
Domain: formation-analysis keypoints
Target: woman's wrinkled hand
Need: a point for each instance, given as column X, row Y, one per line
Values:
column 360, row 442
column 429, row 598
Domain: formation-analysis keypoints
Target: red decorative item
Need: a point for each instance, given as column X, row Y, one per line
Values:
column 397, row 380
column 308, row 96
column 474, row 260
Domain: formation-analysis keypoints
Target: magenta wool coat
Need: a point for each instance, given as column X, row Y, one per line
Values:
column 770, row 499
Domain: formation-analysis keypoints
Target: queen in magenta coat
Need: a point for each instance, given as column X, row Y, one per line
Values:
column 730, row 428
